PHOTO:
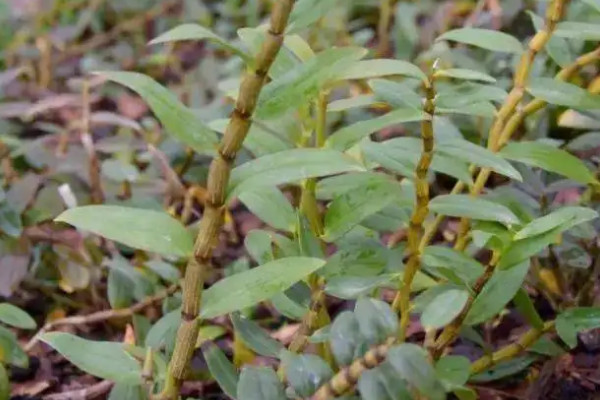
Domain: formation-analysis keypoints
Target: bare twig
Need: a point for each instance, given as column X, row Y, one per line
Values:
column 90, row 392
column 101, row 315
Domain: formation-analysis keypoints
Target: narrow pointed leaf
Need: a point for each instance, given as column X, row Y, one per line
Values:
column 197, row 32
column 304, row 81
column 565, row 217
column 349, row 209
column 255, row 337
column 306, row 373
column 484, row 38
column 178, row 120
column 289, row 166
column 444, row 308
column 478, row 155
column 259, row 383
column 573, row 321
column 396, row 94
column 221, row 369
column 458, row 205
column 139, row 228
column 411, row 363
column 466, row 74
column 348, row 136
column 380, row 67
column 250, row 287
column 550, row 158
column 14, row 316
column 497, row 292
column 107, row 360
column 270, row 205
column 561, row 93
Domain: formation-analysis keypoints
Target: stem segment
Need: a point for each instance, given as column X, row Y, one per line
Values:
column 402, row 300
column 218, row 178
column 536, row 44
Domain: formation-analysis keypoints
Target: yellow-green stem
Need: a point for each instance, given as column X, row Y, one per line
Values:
column 218, row 178
column 510, row 351
column 402, row 301
column 536, row 44
column 452, row 330
column 510, row 128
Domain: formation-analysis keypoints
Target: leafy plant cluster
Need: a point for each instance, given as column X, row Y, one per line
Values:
column 361, row 220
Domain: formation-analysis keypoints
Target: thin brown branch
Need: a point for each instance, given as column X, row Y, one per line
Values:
column 101, row 316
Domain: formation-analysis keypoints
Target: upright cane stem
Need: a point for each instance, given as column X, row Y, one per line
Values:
column 536, row 44
column 402, row 300
column 218, row 178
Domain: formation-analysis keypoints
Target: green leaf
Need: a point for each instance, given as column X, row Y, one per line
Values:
column 4, row 384
column 496, row 293
column 376, row 320
column 107, row 360
column 402, row 155
column 255, row 337
column 123, row 391
column 165, row 270
column 306, row 12
column 250, row 287
column 410, row 362
column 363, row 100
column 163, row 332
column 289, row 166
column 348, row 210
column 348, row 136
column 504, row 369
column 562, row 93
column 468, row 93
column 396, row 94
column 578, row 30
column 526, row 307
column 453, row 371
column 14, row 316
column 178, row 120
column 345, row 339
column 565, row 218
column 441, row 257
column 380, row 67
column 139, row 228
column 458, row 205
column 484, row 38
column 304, row 82
column 482, row 109
column 465, row 74
column 575, row 320
column 549, row 158
column 197, row 32
column 221, row 369
column 523, row 249
column 10, row 221
column 306, row 373
column 258, row 244
column 478, row 155
column 10, row 349
column 259, row 383
column 381, row 383
column 595, row 4
column 351, row 287
column 271, row 206
column 444, row 308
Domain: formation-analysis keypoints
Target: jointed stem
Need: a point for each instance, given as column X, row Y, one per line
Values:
column 536, row 44
column 218, row 178
column 510, row 128
column 402, row 300
column 451, row 331
column 512, row 350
